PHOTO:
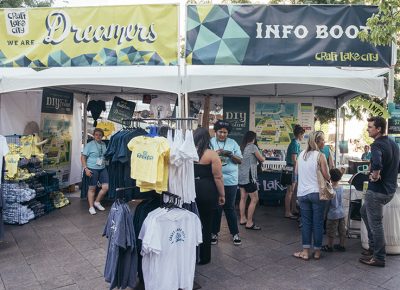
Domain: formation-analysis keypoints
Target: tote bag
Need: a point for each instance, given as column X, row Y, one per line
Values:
column 326, row 191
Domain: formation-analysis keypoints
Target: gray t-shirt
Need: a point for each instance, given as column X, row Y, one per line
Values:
column 249, row 164
column 121, row 262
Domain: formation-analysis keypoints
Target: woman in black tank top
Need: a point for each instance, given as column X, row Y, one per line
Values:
column 209, row 188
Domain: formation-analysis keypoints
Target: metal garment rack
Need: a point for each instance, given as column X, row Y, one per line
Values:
column 131, row 122
column 181, row 122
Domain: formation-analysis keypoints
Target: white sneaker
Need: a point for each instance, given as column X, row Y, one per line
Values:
column 92, row 210
column 99, row 206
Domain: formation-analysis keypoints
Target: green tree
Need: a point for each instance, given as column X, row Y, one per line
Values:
column 25, row 3
column 385, row 24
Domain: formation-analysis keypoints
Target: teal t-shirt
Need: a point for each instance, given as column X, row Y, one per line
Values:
column 326, row 151
column 93, row 151
column 366, row 156
column 294, row 148
column 230, row 170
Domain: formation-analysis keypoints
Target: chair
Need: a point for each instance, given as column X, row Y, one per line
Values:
column 357, row 180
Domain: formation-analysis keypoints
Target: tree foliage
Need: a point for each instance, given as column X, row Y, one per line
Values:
column 384, row 25
column 25, row 3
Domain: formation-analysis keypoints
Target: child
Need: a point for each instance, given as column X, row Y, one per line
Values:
column 335, row 215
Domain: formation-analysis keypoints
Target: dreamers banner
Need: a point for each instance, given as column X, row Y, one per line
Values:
column 89, row 36
column 317, row 35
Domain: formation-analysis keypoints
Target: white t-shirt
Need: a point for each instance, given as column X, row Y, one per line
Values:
column 160, row 106
column 169, row 256
column 189, row 155
column 307, row 173
column 3, row 152
column 175, row 165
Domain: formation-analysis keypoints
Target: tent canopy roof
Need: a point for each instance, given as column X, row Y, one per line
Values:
column 94, row 80
column 321, row 83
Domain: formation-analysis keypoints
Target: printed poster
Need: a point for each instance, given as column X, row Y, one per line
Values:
column 236, row 112
column 56, row 127
column 274, row 124
column 300, row 35
column 89, row 36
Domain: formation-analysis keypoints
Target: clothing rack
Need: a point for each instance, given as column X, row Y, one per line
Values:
column 173, row 199
column 179, row 121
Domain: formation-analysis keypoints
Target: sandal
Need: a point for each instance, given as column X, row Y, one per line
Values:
column 242, row 224
column 339, row 248
column 301, row 255
column 292, row 217
column 326, row 248
column 317, row 255
column 253, row 227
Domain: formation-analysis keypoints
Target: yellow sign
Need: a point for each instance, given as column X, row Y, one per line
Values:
column 89, row 36
column 372, row 107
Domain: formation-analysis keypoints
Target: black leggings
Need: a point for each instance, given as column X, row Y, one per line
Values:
column 206, row 200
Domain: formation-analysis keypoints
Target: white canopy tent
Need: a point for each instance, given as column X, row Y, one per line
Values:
column 328, row 87
column 100, row 83
column 117, row 79
column 325, row 84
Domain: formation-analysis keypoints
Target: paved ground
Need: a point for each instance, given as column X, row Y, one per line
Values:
column 65, row 250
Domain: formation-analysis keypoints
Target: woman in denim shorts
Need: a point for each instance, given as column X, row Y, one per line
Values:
column 94, row 167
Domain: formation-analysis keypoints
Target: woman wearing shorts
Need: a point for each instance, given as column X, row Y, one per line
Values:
column 94, row 167
column 248, row 179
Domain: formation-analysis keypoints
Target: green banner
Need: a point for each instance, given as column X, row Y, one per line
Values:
column 236, row 112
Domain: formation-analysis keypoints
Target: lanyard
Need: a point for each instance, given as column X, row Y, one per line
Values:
column 217, row 142
column 100, row 151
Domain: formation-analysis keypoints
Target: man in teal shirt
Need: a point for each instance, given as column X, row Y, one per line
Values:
column 292, row 153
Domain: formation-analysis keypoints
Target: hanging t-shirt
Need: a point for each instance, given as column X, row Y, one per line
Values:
column 189, row 155
column 175, row 167
column 107, row 127
column 174, row 237
column 3, row 152
column 94, row 152
column 230, row 170
column 121, row 262
column 149, row 158
column 160, row 107
column 95, row 108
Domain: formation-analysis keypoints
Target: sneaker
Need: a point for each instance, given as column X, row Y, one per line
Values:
column 99, row 206
column 236, row 240
column 214, row 239
column 92, row 210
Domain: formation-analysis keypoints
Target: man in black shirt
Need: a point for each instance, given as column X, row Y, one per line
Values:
column 381, row 188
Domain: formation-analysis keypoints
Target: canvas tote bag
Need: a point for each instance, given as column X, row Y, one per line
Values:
column 326, row 191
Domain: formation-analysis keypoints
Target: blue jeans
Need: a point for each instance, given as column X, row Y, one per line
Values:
column 312, row 218
column 229, row 209
column 372, row 214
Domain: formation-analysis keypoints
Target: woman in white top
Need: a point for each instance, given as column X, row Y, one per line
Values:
column 311, row 207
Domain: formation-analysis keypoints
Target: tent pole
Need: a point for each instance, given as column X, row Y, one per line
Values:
column 337, row 133
column 390, row 98
column 85, row 119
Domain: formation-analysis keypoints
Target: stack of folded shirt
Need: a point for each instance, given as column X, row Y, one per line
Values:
column 37, row 207
column 17, row 192
column 59, row 200
column 16, row 213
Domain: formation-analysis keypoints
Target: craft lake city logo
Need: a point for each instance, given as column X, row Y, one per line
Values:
column 177, row 236
column 17, row 22
column 145, row 155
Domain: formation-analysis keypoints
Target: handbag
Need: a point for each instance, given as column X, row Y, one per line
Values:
column 326, row 191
